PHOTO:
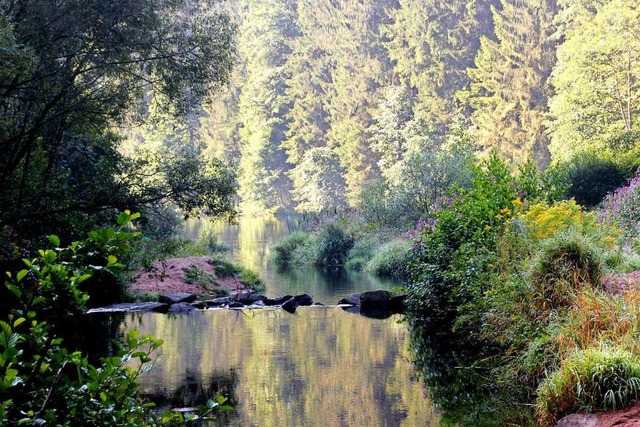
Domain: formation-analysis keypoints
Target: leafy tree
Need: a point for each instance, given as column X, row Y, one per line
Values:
column 597, row 102
column 318, row 182
column 78, row 69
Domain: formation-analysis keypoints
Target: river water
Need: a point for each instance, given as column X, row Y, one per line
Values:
column 321, row 366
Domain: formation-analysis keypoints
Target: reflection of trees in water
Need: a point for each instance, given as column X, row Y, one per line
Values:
column 93, row 334
column 195, row 389
column 460, row 379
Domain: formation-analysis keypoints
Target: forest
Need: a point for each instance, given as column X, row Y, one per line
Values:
column 484, row 153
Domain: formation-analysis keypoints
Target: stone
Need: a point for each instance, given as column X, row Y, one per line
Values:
column 290, row 306
column 375, row 300
column 213, row 302
column 397, row 304
column 353, row 299
column 249, row 298
column 303, row 300
column 277, row 300
column 176, row 298
column 236, row 305
column 144, row 307
column 181, row 307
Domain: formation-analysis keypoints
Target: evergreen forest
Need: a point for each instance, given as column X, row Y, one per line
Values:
column 483, row 154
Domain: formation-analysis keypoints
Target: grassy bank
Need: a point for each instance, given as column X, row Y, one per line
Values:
column 517, row 282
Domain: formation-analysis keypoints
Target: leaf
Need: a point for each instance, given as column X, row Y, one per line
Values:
column 19, row 322
column 14, row 290
column 123, row 218
column 21, row 274
column 55, row 240
column 112, row 259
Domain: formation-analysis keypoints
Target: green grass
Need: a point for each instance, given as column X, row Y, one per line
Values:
column 588, row 381
column 390, row 260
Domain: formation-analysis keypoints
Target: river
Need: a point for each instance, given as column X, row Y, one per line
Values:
column 321, row 366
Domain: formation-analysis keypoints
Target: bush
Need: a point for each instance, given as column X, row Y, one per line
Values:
column 622, row 208
column 591, row 177
column 284, row 249
column 362, row 251
column 225, row 268
column 565, row 264
column 332, row 247
column 589, row 380
column 454, row 260
column 390, row 260
column 41, row 382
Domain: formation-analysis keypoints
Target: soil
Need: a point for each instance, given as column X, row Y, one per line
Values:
column 166, row 277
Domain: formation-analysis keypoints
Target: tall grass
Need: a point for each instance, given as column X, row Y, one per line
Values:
column 589, row 380
column 390, row 260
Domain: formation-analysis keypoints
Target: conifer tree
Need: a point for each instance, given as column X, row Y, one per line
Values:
column 263, row 106
column 508, row 92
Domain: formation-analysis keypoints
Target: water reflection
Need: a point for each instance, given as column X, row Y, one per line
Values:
column 250, row 242
column 321, row 366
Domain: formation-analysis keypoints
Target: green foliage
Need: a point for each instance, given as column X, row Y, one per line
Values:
column 508, row 84
column 42, row 381
column 332, row 246
column 390, row 260
column 453, row 260
column 61, row 167
column 363, row 249
column 224, row 268
column 589, row 380
column 596, row 104
column 285, row 247
column 194, row 274
column 565, row 264
column 591, row 177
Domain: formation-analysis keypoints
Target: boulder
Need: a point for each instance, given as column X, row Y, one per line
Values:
column 353, row 299
column 138, row 307
column 277, row 300
column 214, row 302
column 397, row 304
column 181, row 307
column 249, row 298
column 176, row 298
column 290, row 306
column 375, row 300
column 303, row 300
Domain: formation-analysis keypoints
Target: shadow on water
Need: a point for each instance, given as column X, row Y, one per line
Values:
column 460, row 380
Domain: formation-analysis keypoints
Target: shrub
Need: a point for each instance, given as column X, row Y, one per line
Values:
column 252, row 280
column 390, row 260
column 332, row 246
column 591, row 177
column 566, row 263
column 542, row 221
column 225, row 268
column 622, row 208
column 454, row 259
column 589, row 380
column 284, row 249
column 41, row 382
column 194, row 274
column 362, row 251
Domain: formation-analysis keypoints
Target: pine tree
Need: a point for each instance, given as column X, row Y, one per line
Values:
column 508, row 90
column 263, row 106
